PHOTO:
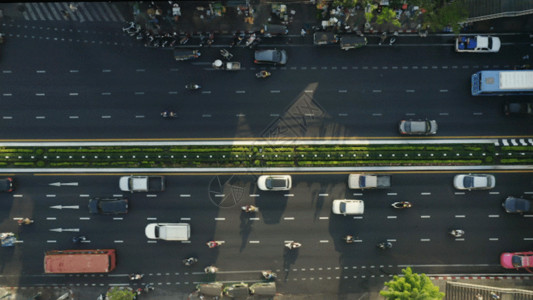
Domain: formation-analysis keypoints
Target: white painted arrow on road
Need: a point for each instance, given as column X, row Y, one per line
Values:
column 65, row 229
column 65, row 206
column 64, row 184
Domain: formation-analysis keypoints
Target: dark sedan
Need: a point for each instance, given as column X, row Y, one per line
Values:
column 108, row 206
column 6, row 184
column 518, row 108
column 270, row 56
column 515, row 205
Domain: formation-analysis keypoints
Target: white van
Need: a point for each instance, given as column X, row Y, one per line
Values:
column 168, row 231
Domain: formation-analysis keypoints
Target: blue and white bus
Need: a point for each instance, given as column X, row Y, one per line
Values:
column 499, row 83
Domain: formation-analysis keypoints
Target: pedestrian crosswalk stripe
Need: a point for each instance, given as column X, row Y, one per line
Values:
column 57, row 16
column 81, row 12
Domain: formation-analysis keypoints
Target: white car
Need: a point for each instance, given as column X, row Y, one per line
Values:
column 418, row 127
column 478, row 44
column 168, row 231
column 348, row 207
column 274, row 182
column 474, row 182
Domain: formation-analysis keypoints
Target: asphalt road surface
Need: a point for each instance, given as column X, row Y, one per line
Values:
column 89, row 81
column 254, row 242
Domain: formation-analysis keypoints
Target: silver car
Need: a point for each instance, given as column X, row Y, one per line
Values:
column 274, row 182
column 474, row 182
column 270, row 56
column 418, row 127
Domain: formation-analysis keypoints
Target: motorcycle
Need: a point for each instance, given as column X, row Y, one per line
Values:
column 168, row 114
column 193, row 86
column 250, row 40
column 214, row 244
column 24, row 221
column 269, row 275
column 225, row 53
column 136, row 276
column 190, row 261
column 210, row 270
column 402, row 204
column 249, row 208
column 78, row 239
column 293, row 245
column 457, row 233
column 263, row 74
column 384, row 245
column 348, row 239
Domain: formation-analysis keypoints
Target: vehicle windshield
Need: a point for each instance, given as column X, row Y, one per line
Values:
column 156, row 231
column 362, row 182
column 342, row 207
column 275, row 183
column 517, row 261
column 468, row 181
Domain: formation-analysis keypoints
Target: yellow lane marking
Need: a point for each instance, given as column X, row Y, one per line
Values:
column 251, row 139
column 290, row 173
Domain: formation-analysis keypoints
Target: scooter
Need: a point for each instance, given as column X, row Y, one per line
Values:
column 249, row 208
column 25, row 221
column 193, row 86
column 402, row 204
column 263, row 74
column 457, row 233
column 78, row 239
column 250, row 40
column 293, row 245
column 384, row 245
column 214, row 244
column 136, row 276
column 269, row 275
column 190, row 261
column 225, row 53
column 348, row 239
column 168, row 114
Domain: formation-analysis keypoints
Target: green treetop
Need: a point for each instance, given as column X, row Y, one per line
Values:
column 411, row 286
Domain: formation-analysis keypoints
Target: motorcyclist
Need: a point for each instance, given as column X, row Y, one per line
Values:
column 457, row 232
column 384, row 245
column 210, row 270
column 293, row 245
column 136, row 276
column 212, row 244
column 78, row 239
column 192, row 86
column 25, row 221
column 263, row 74
column 348, row 239
column 189, row 261
column 249, row 208
column 268, row 275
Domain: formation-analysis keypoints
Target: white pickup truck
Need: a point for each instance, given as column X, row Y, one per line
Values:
column 142, row 183
column 477, row 44
column 361, row 181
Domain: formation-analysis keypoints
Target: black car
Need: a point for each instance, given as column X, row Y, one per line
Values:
column 514, row 205
column 270, row 56
column 108, row 206
column 6, row 184
column 518, row 108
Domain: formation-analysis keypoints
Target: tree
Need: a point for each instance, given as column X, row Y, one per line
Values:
column 120, row 293
column 411, row 286
column 450, row 14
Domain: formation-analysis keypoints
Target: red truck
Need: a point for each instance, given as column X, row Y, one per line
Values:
column 80, row 261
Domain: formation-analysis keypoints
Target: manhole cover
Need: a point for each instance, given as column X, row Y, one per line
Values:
column 228, row 190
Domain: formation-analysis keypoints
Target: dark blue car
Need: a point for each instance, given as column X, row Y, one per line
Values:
column 108, row 206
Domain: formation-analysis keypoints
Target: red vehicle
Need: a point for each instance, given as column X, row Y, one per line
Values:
column 80, row 261
column 517, row 260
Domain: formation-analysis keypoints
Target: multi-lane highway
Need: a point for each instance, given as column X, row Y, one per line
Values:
column 254, row 242
column 85, row 81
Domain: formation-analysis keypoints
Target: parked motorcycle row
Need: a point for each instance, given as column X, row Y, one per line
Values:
column 171, row 40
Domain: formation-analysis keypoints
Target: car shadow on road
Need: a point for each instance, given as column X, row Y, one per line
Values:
column 289, row 258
